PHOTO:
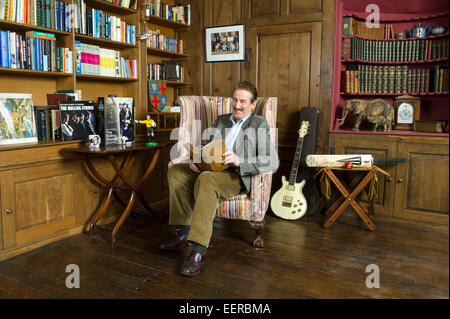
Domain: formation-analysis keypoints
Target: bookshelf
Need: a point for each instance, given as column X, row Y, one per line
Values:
column 163, row 44
column 373, row 63
column 39, row 83
column 415, row 189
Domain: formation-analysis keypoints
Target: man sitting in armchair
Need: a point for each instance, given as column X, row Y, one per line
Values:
column 249, row 152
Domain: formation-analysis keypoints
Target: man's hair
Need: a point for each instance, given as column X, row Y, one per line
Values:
column 246, row 85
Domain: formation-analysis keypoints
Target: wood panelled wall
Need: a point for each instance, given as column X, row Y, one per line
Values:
column 289, row 48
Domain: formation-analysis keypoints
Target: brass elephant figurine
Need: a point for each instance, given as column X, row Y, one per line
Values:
column 378, row 111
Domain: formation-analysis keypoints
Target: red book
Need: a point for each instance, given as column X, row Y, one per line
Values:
column 53, row 99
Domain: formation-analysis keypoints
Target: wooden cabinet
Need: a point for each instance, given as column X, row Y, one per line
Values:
column 47, row 194
column 37, row 202
column 44, row 195
column 417, row 189
column 367, row 65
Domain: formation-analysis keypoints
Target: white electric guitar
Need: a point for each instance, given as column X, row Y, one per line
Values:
column 289, row 202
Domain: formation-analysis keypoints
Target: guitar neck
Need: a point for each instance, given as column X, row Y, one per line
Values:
column 294, row 170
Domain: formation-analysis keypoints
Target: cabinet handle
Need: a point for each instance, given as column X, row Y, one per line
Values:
column 400, row 180
column 95, row 191
column 389, row 179
column 8, row 211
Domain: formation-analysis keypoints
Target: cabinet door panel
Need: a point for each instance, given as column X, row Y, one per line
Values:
column 43, row 200
column 39, row 197
column 422, row 183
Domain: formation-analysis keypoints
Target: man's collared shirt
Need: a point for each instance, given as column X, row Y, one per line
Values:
column 232, row 134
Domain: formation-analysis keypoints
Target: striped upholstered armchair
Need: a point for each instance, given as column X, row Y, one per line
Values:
column 251, row 207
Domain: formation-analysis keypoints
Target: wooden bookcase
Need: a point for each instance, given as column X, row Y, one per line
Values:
column 417, row 190
column 46, row 193
column 152, row 55
column 39, row 83
column 434, row 105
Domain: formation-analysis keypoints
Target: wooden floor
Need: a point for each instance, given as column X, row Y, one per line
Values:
column 300, row 260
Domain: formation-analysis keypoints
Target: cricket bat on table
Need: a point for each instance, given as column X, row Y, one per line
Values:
column 358, row 160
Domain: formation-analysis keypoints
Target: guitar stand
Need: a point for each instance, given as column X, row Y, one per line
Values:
column 349, row 194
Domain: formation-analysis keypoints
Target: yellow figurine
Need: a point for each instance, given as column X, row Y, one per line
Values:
column 150, row 124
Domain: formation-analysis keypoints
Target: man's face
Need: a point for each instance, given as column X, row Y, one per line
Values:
column 241, row 104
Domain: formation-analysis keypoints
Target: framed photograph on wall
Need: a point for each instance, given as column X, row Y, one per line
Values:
column 225, row 43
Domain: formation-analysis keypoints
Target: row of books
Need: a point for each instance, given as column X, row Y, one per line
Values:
column 353, row 27
column 94, row 60
column 51, row 14
column 156, row 40
column 67, row 119
column 394, row 51
column 98, row 24
column 394, row 79
column 130, row 4
column 34, row 50
column 170, row 72
column 178, row 13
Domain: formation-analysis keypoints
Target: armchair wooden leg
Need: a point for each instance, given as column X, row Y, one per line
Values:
column 258, row 243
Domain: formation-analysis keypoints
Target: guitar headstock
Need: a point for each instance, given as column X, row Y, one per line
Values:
column 304, row 129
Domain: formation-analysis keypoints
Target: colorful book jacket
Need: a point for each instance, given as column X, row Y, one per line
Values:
column 17, row 121
column 77, row 120
column 119, row 120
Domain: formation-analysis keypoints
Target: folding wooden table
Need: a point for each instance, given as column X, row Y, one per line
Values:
column 121, row 180
column 350, row 193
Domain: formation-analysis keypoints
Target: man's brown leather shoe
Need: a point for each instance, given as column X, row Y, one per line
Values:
column 193, row 264
column 179, row 240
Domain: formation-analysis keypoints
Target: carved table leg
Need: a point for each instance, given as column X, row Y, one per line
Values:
column 258, row 243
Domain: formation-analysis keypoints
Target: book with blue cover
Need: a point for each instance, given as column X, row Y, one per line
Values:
column 4, row 39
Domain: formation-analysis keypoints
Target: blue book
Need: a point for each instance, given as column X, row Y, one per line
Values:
column 63, row 16
column 9, row 48
column 67, row 11
column 69, row 18
column 4, row 49
column 36, row 52
column 106, row 26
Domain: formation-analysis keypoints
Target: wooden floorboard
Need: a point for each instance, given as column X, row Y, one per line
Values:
column 300, row 260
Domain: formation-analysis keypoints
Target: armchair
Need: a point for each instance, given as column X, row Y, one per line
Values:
column 253, row 206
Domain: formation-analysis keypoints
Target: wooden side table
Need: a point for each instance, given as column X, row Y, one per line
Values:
column 349, row 194
column 120, row 180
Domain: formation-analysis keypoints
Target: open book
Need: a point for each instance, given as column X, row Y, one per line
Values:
column 209, row 157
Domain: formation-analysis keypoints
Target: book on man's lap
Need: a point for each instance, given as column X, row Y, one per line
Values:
column 209, row 157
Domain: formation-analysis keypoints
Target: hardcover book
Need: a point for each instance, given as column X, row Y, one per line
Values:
column 77, row 120
column 118, row 120
column 209, row 157
column 17, row 121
